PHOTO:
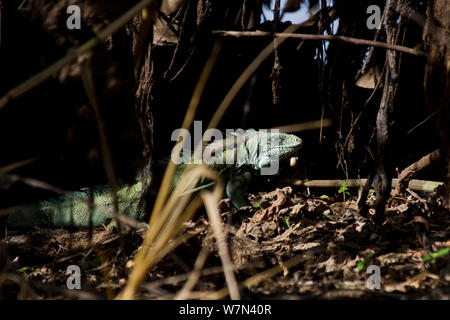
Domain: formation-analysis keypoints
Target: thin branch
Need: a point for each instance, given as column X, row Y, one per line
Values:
column 304, row 36
column 276, row 62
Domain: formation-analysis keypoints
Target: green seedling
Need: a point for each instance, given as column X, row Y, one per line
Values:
column 326, row 215
column 434, row 256
column 286, row 221
column 363, row 263
column 258, row 204
column 344, row 189
column 25, row 269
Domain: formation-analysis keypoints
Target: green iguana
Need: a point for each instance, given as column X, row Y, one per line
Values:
column 237, row 160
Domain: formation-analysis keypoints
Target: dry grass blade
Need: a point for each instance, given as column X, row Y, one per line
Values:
column 39, row 184
column 159, row 216
column 173, row 244
column 16, row 165
column 169, row 223
column 219, row 233
column 176, row 279
column 257, row 278
column 106, row 271
column 304, row 126
column 188, row 119
column 194, row 276
column 89, row 87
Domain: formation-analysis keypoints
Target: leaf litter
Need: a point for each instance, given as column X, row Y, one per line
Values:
column 334, row 243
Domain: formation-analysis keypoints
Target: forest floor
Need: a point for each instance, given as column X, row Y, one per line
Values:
column 288, row 245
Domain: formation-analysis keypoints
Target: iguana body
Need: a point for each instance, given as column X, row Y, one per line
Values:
column 76, row 211
column 237, row 161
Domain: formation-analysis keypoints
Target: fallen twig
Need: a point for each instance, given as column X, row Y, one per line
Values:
column 417, row 185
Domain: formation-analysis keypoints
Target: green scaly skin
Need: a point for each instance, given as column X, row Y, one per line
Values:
column 246, row 156
column 76, row 212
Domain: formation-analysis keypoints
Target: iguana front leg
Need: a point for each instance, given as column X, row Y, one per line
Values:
column 237, row 186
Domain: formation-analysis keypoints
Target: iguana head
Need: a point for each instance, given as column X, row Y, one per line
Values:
column 257, row 149
column 274, row 146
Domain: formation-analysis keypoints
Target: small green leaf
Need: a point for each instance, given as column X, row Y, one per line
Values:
column 286, row 221
column 344, row 189
column 360, row 265
column 363, row 263
column 442, row 252
column 324, row 197
column 326, row 215
column 433, row 256
column 258, row 204
column 25, row 269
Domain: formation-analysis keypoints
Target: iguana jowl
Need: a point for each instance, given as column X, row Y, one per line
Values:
column 237, row 160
